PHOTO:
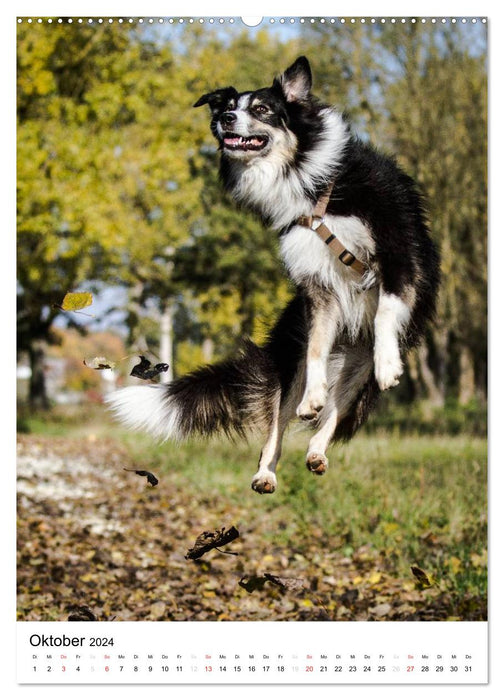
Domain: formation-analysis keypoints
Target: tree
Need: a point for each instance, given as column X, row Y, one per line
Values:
column 438, row 108
column 61, row 236
column 419, row 91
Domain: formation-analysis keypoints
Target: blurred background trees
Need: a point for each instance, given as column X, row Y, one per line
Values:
column 118, row 189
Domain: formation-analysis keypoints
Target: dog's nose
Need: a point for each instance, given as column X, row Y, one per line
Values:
column 228, row 118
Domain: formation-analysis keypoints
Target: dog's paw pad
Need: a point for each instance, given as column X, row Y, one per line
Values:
column 264, row 483
column 317, row 463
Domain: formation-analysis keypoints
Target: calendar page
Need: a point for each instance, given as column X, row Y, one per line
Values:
column 252, row 350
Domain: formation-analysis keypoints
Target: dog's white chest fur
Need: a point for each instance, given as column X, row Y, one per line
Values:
column 309, row 260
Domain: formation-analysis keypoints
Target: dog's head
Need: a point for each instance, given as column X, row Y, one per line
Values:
column 254, row 124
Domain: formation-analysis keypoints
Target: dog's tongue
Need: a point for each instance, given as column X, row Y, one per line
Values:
column 233, row 140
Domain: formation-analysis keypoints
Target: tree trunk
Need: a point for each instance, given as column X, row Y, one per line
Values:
column 207, row 350
column 166, row 342
column 38, row 393
column 467, row 382
column 436, row 396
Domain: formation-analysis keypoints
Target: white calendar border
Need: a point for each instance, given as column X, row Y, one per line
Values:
column 293, row 8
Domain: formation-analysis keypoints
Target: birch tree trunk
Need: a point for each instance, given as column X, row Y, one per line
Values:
column 166, row 342
column 436, row 396
column 467, row 381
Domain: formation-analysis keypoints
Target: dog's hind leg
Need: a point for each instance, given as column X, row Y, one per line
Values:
column 323, row 326
column 264, row 480
column 349, row 369
column 316, row 459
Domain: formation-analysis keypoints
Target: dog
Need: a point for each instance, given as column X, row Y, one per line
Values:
column 354, row 239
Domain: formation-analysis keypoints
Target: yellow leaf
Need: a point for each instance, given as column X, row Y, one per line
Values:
column 375, row 577
column 455, row 564
column 74, row 301
column 479, row 560
column 267, row 559
column 389, row 528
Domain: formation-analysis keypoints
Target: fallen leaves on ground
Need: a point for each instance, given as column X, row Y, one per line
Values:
column 102, row 546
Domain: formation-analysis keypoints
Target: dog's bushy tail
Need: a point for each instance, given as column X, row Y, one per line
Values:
column 230, row 397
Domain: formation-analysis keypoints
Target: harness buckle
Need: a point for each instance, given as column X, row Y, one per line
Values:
column 347, row 258
column 318, row 220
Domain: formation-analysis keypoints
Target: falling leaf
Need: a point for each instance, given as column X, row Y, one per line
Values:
column 75, row 301
column 210, row 540
column 252, row 583
column 99, row 363
column 153, row 481
column 422, row 578
column 144, row 369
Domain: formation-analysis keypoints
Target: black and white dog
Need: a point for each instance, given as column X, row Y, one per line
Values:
column 354, row 240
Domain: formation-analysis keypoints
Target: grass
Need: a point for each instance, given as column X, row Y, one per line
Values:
column 413, row 499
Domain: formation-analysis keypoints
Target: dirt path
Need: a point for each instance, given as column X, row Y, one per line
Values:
column 89, row 536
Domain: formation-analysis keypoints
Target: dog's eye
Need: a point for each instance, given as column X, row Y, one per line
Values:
column 261, row 109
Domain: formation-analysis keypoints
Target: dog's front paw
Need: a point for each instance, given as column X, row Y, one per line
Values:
column 388, row 369
column 312, row 403
column 264, row 482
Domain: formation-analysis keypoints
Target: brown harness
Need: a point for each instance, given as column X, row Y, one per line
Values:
column 315, row 222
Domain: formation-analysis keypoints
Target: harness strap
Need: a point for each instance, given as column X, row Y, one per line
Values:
column 315, row 222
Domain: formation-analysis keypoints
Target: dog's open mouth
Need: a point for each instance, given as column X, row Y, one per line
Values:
column 234, row 142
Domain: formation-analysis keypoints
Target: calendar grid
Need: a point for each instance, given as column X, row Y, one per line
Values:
column 244, row 652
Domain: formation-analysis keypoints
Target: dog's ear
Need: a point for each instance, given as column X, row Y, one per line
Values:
column 217, row 99
column 296, row 81
column 203, row 100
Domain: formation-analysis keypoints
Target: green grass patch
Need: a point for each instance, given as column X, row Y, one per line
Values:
column 412, row 499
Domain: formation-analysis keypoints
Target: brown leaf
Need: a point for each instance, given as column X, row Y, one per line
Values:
column 252, row 583
column 144, row 369
column 210, row 540
column 256, row 583
column 381, row 610
column 99, row 363
column 153, row 481
column 289, row 584
column 81, row 613
column 421, row 577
